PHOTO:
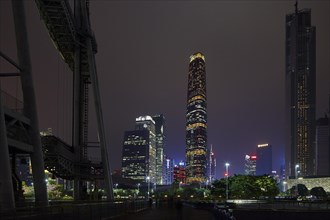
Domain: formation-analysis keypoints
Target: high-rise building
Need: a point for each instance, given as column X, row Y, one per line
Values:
column 196, row 121
column 322, row 147
column 160, row 147
column 300, row 93
column 250, row 164
column 139, row 151
column 168, row 176
column 179, row 173
column 264, row 159
column 212, row 166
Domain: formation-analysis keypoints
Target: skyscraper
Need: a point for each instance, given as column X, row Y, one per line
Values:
column 264, row 159
column 212, row 165
column 196, row 124
column 322, row 147
column 139, row 151
column 179, row 173
column 160, row 147
column 168, row 174
column 250, row 165
column 300, row 92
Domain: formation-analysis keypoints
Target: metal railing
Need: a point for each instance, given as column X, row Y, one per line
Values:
column 73, row 210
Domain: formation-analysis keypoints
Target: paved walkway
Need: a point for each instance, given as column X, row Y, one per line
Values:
column 170, row 213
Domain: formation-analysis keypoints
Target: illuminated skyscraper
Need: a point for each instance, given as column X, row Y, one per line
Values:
column 250, row 165
column 300, row 92
column 196, row 124
column 168, row 173
column 160, row 147
column 212, row 165
column 139, row 151
column 179, row 173
column 264, row 159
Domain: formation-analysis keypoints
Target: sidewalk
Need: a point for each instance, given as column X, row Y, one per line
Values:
column 170, row 213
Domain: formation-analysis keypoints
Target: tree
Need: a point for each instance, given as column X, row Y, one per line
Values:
column 218, row 188
column 302, row 190
column 319, row 192
column 246, row 187
column 267, row 186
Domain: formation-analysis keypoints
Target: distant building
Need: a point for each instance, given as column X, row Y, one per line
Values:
column 179, row 173
column 196, row 121
column 264, row 159
column 212, row 166
column 322, row 147
column 160, row 147
column 250, row 164
column 300, row 92
column 169, row 166
column 139, row 151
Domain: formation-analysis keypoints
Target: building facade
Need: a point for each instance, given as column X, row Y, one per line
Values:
column 160, row 147
column 139, row 151
column 168, row 174
column 264, row 159
column 322, row 150
column 179, row 173
column 250, row 164
column 196, row 121
column 300, row 92
column 212, row 166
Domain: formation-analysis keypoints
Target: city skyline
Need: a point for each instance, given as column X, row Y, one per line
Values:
column 235, row 102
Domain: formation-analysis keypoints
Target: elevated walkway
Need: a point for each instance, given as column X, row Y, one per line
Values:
column 17, row 125
column 60, row 159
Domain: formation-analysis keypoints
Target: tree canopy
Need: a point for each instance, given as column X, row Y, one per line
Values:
column 246, row 187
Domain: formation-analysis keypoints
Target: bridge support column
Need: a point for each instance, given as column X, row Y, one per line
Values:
column 30, row 106
column 7, row 202
column 98, row 107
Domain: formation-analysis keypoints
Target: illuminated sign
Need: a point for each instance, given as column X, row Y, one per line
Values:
column 262, row 145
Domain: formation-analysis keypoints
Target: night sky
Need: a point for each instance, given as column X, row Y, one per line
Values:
column 142, row 61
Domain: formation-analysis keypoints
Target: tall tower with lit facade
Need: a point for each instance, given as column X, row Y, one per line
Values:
column 160, row 147
column 250, row 164
column 139, row 151
column 212, row 166
column 300, row 92
column 196, row 124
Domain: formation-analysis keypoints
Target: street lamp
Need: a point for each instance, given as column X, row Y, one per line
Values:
column 227, row 165
column 284, row 185
column 296, row 177
column 148, row 180
column 138, row 185
column 116, row 185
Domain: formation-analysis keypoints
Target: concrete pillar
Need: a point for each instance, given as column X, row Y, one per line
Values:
column 30, row 106
column 7, row 201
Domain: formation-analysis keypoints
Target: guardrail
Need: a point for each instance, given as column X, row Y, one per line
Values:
column 73, row 210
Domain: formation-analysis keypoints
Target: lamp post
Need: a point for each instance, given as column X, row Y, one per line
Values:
column 148, row 180
column 138, row 186
column 296, row 177
column 227, row 165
